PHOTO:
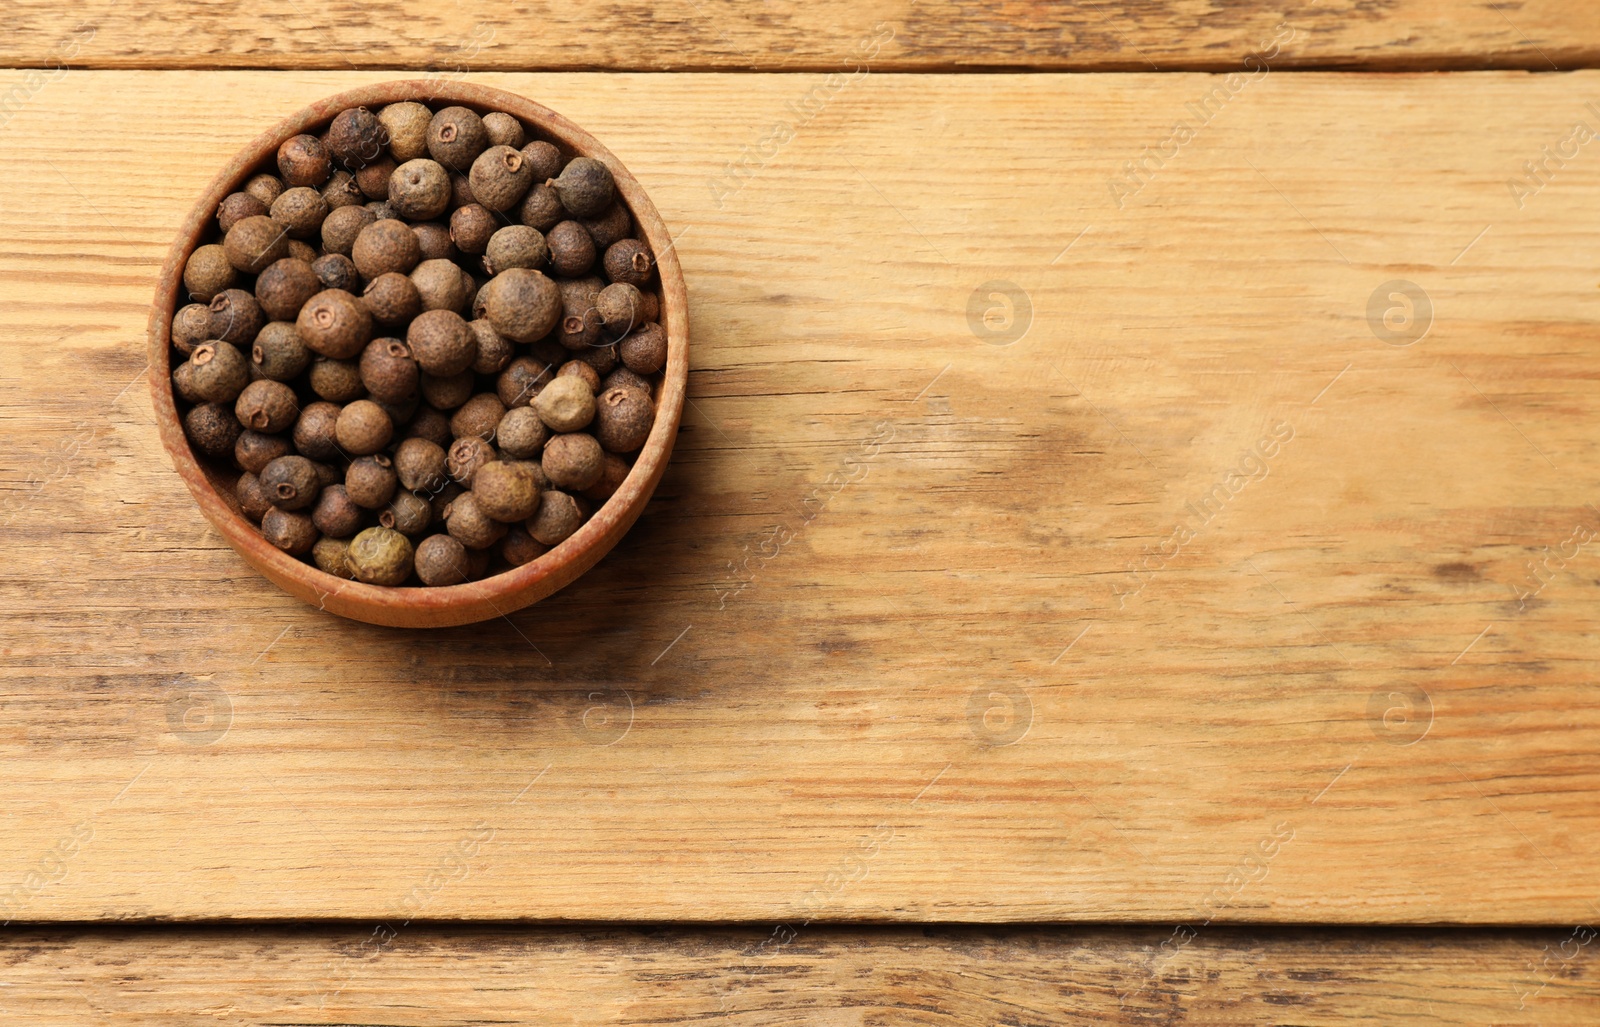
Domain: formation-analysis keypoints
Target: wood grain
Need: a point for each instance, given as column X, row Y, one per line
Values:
column 875, row 651
column 361, row 974
column 794, row 35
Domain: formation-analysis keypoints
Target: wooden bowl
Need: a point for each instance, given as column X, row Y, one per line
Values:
column 418, row 607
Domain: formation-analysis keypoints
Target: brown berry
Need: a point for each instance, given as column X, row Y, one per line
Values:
column 334, row 324
column 291, row 482
column 468, row 524
column 314, row 431
column 456, row 136
column 585, row 186
column 506, row 491
column 266, row 406
column 461, row 190
column 265, row 188
column 208, row 271
column 622, row 419
column 370, row 481
column 625, row 378
column 235, row 207
column 283, row 288
column 521, row 434
column 373, row 180
column 612, row 475
column 183, row 383
column 619, row 305
column 300, row 250
column 342, row 191
column 212, row 429
column 335, row 515
column 420, row 189
column 494, row 350
column 544, row 159
column 337, row 271
column 253, row 450
column 573, row 461
column 219, row 373
column 254, row 243
column 356, row 137
column 629, row 261
column 433, row 238
column 471, row 227
column 420, row 465
column 609, row 228
column 566, row 404
column 407, row 126
column 448, row 392
column 380, row 556
column 466, row 456
column 391, row 299
column 521, row 381
column 388, row 371
column 343, row 226
column 601, row 358
column 429, row 423
column 407, row 513
column 278, row 352
column 499, row 178
column 644, row 351
column 191, row 326
column 236, row 317
column 337, row 381
column 303, row 161
column 386, row 245
column 571, row 249
column 252, row 498
column 556, row 516
column 331, row 555
column 289, row 531
column 301, row 210
column 523, row 304
column 515, row 246
column 441, row 560
column 363, row 428
column 541, row 208
column 580, row 325
column 579, row 369
column 478, row 416
column 519, row 547
column 504, row 130
column 439, row 285
column 442, row 343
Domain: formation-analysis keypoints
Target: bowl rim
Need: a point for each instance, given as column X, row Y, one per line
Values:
column 422, row 605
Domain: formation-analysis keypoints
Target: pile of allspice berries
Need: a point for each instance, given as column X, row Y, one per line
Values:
column 430, row 343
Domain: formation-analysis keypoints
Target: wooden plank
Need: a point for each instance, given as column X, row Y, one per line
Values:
column 822, row 35
column 920, row 625
column 834, row 977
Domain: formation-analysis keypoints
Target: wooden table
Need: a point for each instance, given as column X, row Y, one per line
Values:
column 1150, row 517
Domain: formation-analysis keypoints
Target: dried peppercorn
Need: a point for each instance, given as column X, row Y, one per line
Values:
column 506, row 491
column 566, row 404
column 363, row 428
column 466, row 456
column 440, row 285
column 515, row 246
column 337, row 271
column 253, row 450
column 335, row 514
column 541, row 208
column 337, row 381
column 519, row 547
column 284, row 286
column 494, row 350
column 609, row 228
column 212, row 429
column 278, row 352
column 267, row 406
column 290, row 531
column 356, row 137
column 466, row 522
column 236, row 317
column 331, row 555
column 291, row 482
column 523, row 304
column 407, row 513
column 441, row 560
column 449, row 391
column 235, row 207
column 420, row 189
column 555, row 518
column 442, row 343
column 478, row 416
column 420, row 465
column 499, row 178
column 388, row 371
column 370, row 481
column 521, row 381
column 342, row 226
column 380, row 556
column 265, row 188
column 255, row 243
column 392, row 299
column 386, row 245
column 629, row 261
column 253, row 501
column 623, row 419
column 208, row 271
column 644, row 351
column 571, row 249
column 456, row 136
column 373, row 180
column 191, row 326
column 219, row 372
column 304, row 161
column 314, row 431
column 504, row 130
column 585, row 187
column 471, row 228
column 335, row 324
column 573, row 461
column 407, row 126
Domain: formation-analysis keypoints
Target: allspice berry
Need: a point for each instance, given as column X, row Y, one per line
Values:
column 356, row 137
column 254, row 450
column 521, row 433
column 504, row 130
column 601, row 358
column 386, row 245
column 556, row 516
column 478, row 416
column 541, row 208
column 343, row 226
column 337, row 381
column 468, row 524
column 506, row 491
column 301, row 250
column 373, row 180
column 629, row 261
column 314, row 431
column 380, row 556
column 291, row 482
column 212, row 429
column 566, row 404
column 612, row 474
column 471, row 228
column 304, row 161
column 370, row 481
column 573, row 461
column 363, row 428
column 519, row 547
column 428, row 423
column 626, row 378
column 456, row 136
column 494, row 350
column 235, row 207
column 301, row 210
column 609, row 228
column 265, row 188
column 585, row 186
column 236, row 317
column 515, row 246
column 434, row 239
column 267, row 406
column 448, row 392
column 499, row 178
column 254, row 243
column 466, row 457
column 388, row 371
column 284, row 287
column 420, row 189
column 341, row 190
column 331, row 555
column 645, row 350
column 252, row 498
column 391, row 299
column 183, row 383
column 441, row 560
column 571, row 249
column 407, row 513
column 191, row 326
column 334, row 324
column 620, row 305
column 622, row 419
column 523, row 304
column 334, row 514
column 544, row 160
column 579, row 369
column 208, row 271
column 219, row 373
column 521, row 381
column 580, row 319
column 442, row 343
column 337, row 271
column 407, row 126
column 289, row 531
column 420, row 465
column 439, row 285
